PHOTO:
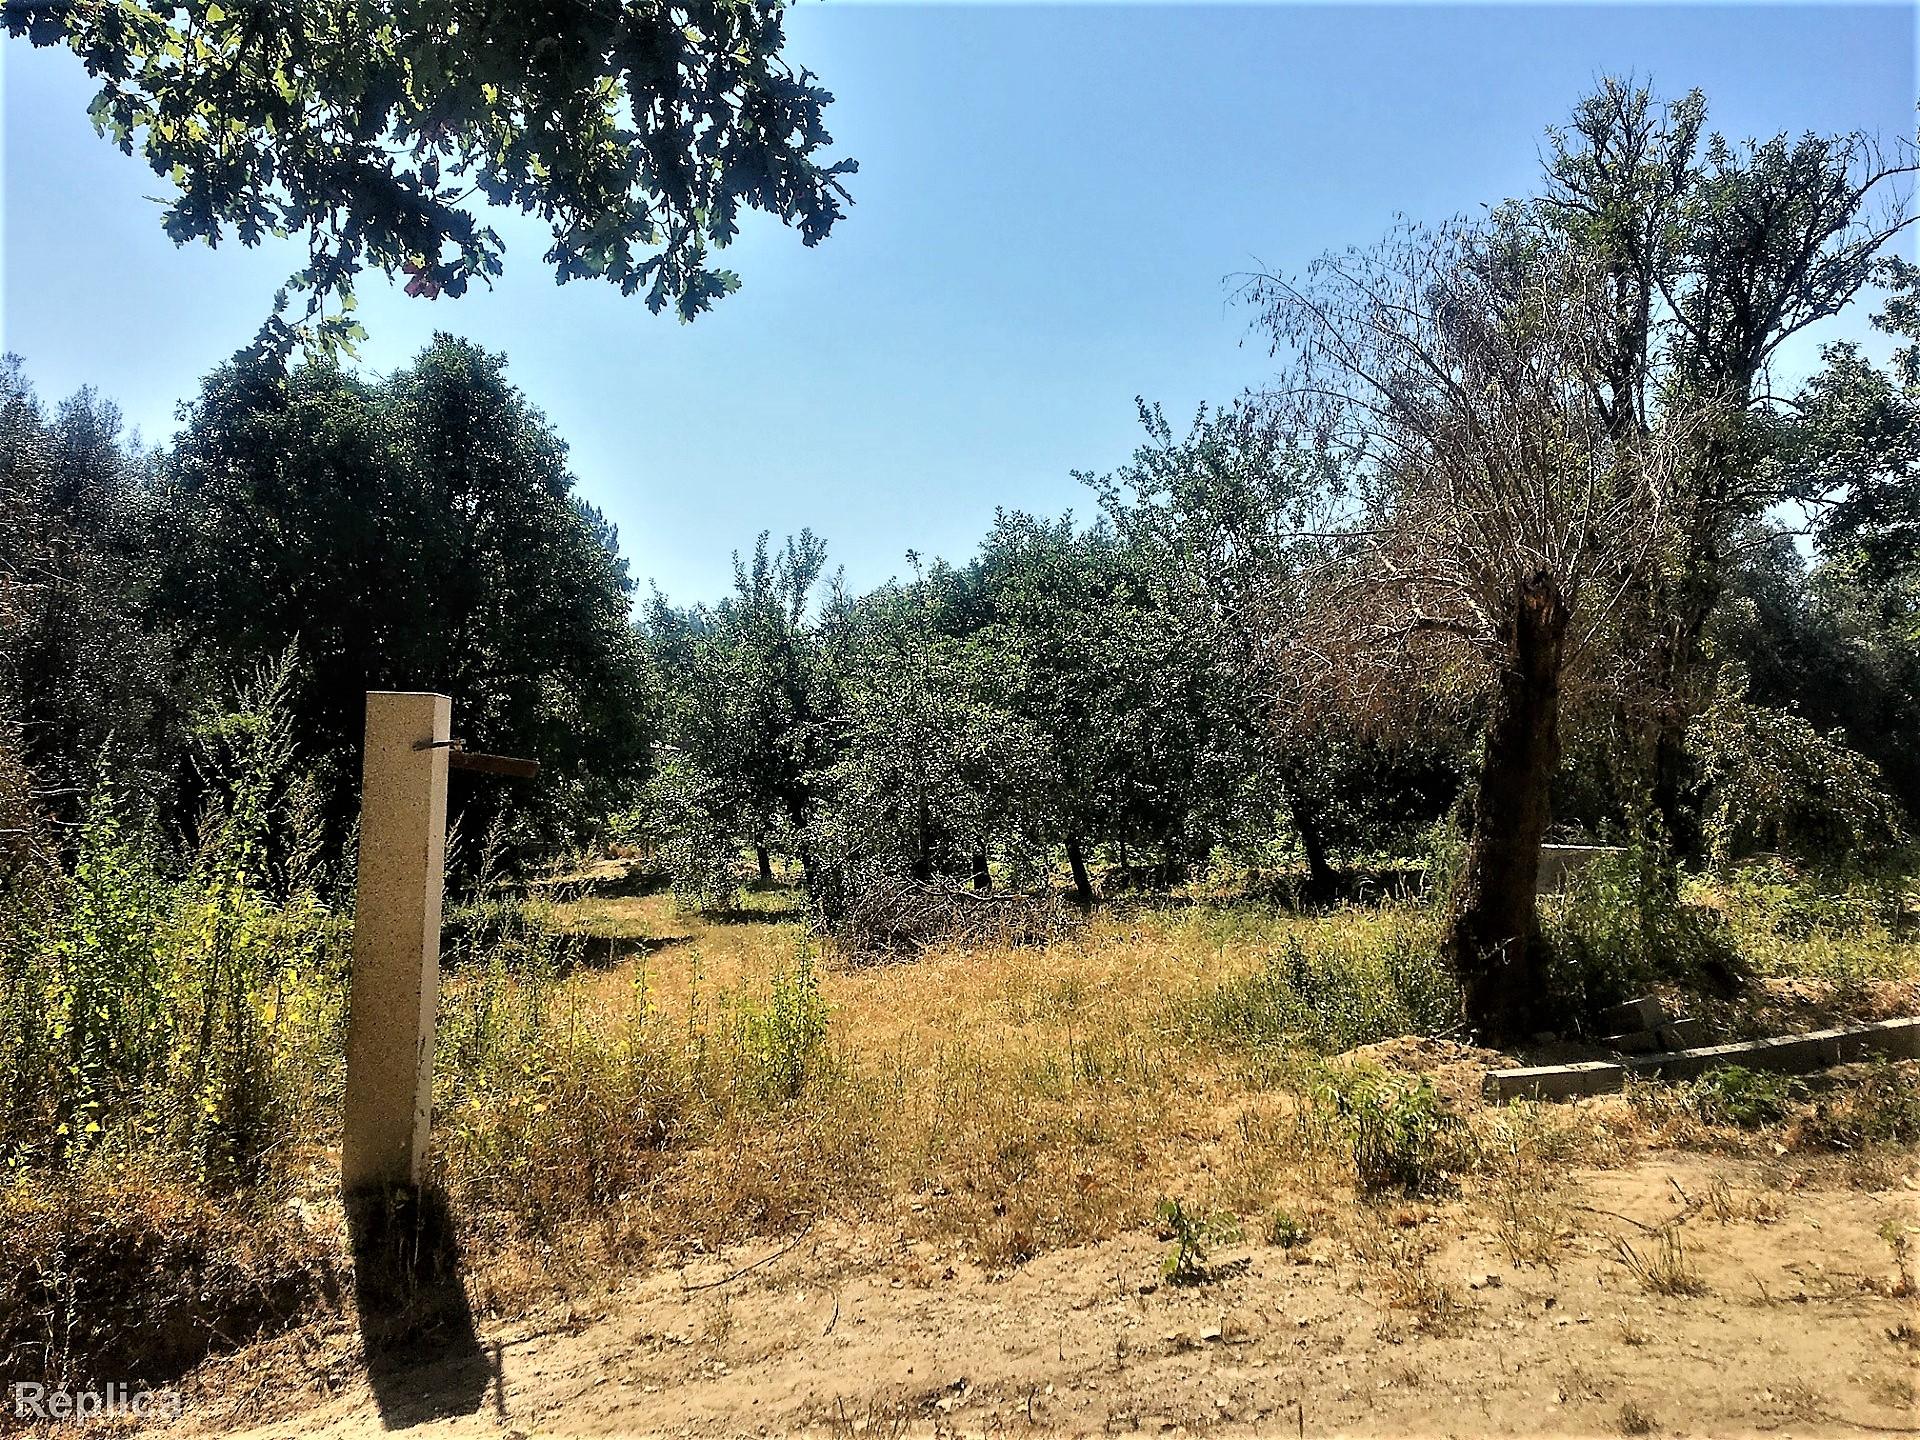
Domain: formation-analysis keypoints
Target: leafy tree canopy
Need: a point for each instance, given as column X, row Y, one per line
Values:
column 635, row 131
column 415, row 533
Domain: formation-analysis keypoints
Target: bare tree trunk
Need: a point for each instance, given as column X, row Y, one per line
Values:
column 1322, row 882
column 1676, row 668
column 1082, row 885
column 1493, row 935
column 766, row 864
column 923, row 851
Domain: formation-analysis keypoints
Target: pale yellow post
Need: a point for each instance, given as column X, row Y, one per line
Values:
column 396, row 939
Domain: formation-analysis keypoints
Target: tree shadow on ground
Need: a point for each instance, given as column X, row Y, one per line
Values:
column 610, row 952
column 756, row 915
column 424, row 1358
column 635, row 881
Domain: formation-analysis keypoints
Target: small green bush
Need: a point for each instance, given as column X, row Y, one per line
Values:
column 779, row 1040
column 1624, row 926
column 1284, row 1230
column 1398, row 1133
column 1193, row 1237
column 1735, row 1095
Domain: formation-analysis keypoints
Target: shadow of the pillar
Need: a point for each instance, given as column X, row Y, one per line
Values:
column 424, row 1357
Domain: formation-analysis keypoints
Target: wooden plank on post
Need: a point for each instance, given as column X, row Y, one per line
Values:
column 396, row 939
column 511, row 766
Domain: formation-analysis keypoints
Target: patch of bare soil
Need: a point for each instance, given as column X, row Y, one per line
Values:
column 1680, row 1294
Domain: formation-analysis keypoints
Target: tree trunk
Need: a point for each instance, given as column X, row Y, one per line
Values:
column 1676, row 672
column 923, row 842
column 1686, row 602
column 1493, row 934
column 982, row 876
column 1082, row 885
column 766, row 864
column 1322, row 883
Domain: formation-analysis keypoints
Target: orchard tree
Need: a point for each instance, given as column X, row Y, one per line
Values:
column 1223, row 519
column 418, row 532
column 930, row 766
column 1854, row 447
column 1069, row 611
column 746, row 715
column 1842, row 644
column 636, row 133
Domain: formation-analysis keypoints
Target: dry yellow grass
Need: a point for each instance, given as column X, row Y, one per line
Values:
column 682, row 1097
column 1010, row 1100
column 1002, row 1100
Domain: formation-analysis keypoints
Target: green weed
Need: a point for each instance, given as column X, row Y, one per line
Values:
column 1625, row 925
column 779, row 1041
column 1735, row 1095
column 1284, row 1230
column 1193, row 1237
column 1398, row 1134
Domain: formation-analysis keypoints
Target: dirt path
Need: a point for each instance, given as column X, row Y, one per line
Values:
column 1799, row 1327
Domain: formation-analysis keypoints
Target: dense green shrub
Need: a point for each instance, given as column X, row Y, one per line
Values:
column 1624, row 926
column 1774, row 782
column 1397, row 1132
column 1780, row 899
column 198, row 1013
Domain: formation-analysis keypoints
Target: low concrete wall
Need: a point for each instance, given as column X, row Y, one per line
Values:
column 1794, row 1054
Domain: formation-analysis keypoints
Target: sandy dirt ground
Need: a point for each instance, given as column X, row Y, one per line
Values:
column 1801, row 1323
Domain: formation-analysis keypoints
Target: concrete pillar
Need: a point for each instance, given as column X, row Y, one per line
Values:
column 396, row 939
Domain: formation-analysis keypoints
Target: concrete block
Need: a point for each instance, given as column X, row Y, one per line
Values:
column 1554, row 1082
column 1690, row 1064
column 1560, row 865
column 1792, row 1054
column 1788, row 1054
column 1682, row 1034
column 1645, row 1013
column 1634, row 1042
column 1899, row 1039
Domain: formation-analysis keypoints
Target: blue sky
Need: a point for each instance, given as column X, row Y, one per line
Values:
column 1050, row 202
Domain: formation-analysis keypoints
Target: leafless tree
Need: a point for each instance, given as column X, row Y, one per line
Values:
column 1492, row 522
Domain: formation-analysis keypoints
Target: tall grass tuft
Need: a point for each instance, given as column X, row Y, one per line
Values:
column 192, row 1014
column 779, row 1040
column 1376, row 975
